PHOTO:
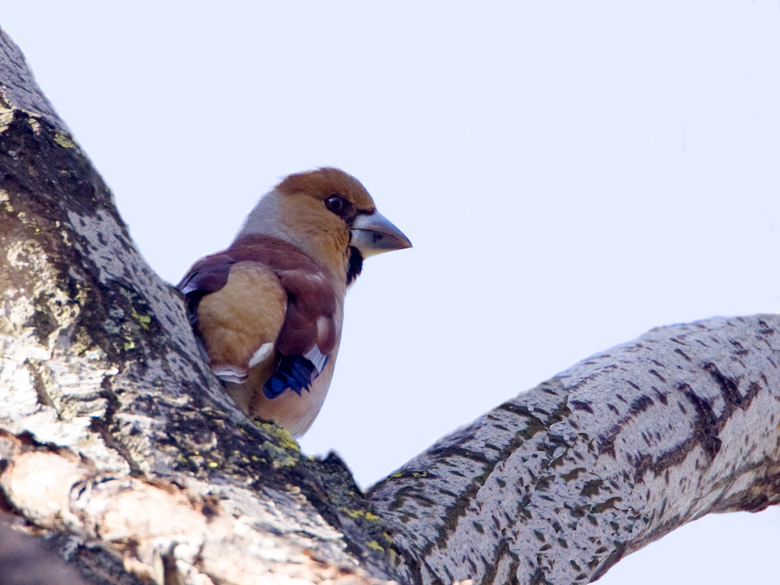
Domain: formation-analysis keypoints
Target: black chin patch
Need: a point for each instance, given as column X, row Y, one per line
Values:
column 355, row 265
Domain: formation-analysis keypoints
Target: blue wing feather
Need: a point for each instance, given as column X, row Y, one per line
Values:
column 293, row 372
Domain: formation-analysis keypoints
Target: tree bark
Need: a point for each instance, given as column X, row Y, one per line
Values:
column 119, row 449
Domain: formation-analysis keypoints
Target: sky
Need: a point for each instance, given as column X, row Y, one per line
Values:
column 570, row 174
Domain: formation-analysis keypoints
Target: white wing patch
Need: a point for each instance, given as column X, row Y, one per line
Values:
column 315, row 356
column 188, row 289
column 234, row 374
column 262, row 353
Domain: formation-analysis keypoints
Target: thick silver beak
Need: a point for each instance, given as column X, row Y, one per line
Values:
column 374, row 234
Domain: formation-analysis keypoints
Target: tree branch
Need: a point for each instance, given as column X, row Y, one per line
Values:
column 118, row 444
column 563, row 481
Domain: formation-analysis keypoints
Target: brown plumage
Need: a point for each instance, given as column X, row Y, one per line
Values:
column 269, row 308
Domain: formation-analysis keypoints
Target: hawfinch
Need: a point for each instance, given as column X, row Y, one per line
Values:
column 269, row 309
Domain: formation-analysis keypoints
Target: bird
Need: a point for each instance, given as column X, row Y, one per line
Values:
column 268, row 310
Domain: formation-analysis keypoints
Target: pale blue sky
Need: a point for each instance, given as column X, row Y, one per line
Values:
column 571, row 175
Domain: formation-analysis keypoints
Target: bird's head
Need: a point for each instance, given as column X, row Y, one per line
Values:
column 328, row 214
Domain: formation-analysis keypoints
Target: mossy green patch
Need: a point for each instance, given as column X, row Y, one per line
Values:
column 63, row 141
column 354, row 514
column 279, row 457
column 281, row 434
column 143, row 320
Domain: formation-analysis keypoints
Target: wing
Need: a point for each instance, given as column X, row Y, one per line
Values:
column 207, row 275
column 308, row 334
column 263, row 304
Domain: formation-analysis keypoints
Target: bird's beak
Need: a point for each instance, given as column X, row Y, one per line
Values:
column 374, row 234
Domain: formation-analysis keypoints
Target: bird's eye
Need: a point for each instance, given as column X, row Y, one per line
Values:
column 337, row 204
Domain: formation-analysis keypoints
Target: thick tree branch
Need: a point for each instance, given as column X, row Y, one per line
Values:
column 563, row 481
column 119, row 445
